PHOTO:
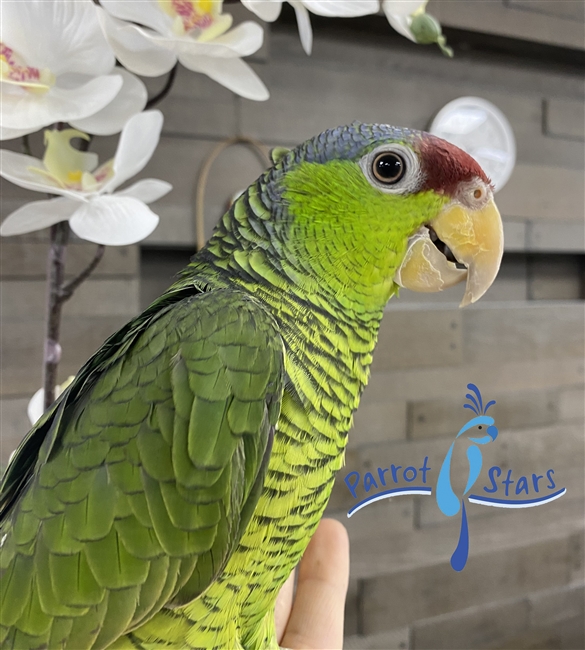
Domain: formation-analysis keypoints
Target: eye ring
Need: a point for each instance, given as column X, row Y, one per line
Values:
column 388, row 167
column 408, row 182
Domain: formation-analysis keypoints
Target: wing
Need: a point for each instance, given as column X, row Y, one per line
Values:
column 147, row 475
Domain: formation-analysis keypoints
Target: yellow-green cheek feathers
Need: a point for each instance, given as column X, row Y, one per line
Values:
column 347, row 232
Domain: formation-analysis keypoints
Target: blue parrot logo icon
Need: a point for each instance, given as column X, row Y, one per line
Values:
column 448, row 502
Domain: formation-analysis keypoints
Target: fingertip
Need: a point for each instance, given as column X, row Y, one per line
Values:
column 327, row 556
column 336, row 533
column 316, row 620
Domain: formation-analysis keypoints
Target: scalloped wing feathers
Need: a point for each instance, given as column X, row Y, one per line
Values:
column 153, row 473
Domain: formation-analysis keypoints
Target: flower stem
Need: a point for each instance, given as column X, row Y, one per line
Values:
column 58, row 292
column 55, row 275
column 68, row 288
column 153, row 101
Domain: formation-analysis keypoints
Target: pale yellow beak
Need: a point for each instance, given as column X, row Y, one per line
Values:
column 476, row 239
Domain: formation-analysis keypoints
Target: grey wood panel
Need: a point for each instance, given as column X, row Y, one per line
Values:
column 556, row 194
column 565, row 118
column 558, row 236
column 196, row 105
column 570, row 9
column 505, row 19
column 22, row 349
column 20, row 258
column 24, row 300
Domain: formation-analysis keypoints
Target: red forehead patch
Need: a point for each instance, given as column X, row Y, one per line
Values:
column 445, row 166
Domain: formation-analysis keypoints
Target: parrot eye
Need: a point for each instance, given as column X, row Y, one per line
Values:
column 388, row 168
column 392, row 169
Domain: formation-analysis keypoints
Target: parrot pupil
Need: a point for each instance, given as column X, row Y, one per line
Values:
column 389, row 168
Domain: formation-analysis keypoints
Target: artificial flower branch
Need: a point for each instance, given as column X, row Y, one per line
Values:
column 68, row 288
column 58, row 293
column 89, row 204
column 59, row 239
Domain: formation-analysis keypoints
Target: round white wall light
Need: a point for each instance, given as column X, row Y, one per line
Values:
column 483, row 131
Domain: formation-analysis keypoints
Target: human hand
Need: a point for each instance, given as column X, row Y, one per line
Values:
column 313, row 618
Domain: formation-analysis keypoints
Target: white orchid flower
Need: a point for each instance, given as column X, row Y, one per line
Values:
column 194, row 32
column 36, row 405
column 56, row 66
column 87, row 200
column 269, row 10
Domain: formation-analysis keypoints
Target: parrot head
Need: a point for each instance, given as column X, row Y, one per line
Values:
column 378, row 207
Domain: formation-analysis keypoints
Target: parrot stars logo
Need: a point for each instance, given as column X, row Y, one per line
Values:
column 478, row 431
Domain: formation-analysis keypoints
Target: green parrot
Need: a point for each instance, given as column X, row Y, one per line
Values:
column 165, row 497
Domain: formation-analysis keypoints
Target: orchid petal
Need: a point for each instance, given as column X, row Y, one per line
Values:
column 7, row 133
column 135, row 48
column 128, row 102
column 38, row 215
column 142, row 12
column 234, row 74
column 402, row 25
column 245, row 39
column 268, row 10
column 403, row 7
column 342, row 8
column 304, row 24
column 238, row 42
column 138, row 141
column 62, row 35
column 36, row 406
column 105, row 171
column 16, row 168
column 114, row 221
column 89, row 183
column 25, row 110
column 147, row 190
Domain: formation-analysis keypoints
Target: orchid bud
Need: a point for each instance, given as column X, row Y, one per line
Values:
column 426, row 30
